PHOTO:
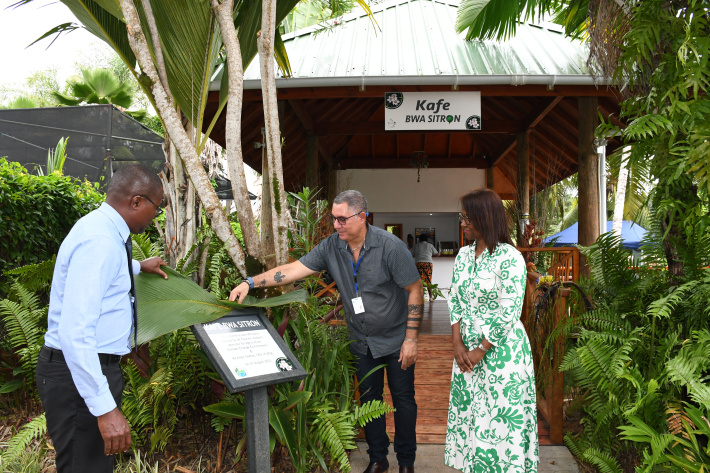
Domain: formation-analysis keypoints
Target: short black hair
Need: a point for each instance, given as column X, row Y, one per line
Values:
column 134, row 179
column 423, row 237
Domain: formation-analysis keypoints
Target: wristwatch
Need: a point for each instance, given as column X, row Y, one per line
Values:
column 249, row 281
column 480, row 345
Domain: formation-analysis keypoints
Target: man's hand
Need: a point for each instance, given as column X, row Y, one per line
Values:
column 152, row 265
column 115, row 432
column 408, row 354
column 239, row 293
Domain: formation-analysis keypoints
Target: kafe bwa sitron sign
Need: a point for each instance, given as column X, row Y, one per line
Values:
column 432, row 111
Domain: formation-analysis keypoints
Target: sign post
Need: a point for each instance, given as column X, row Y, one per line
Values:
column 250, row 355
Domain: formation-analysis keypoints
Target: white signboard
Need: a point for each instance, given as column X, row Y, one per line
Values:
column 247, row 347
column 432, row 111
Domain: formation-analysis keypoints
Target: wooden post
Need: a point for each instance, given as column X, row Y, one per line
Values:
column 556, row 395
column 523, row 184
column 588, row 199
column 311, row 161
column 490, row 183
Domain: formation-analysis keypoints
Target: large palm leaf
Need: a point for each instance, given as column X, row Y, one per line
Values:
column 169, row 304
column 485, row 19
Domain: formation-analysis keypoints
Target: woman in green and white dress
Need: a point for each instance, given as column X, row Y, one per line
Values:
column 492, row 425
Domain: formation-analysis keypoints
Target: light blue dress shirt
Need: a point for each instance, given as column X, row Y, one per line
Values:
column 89, row 304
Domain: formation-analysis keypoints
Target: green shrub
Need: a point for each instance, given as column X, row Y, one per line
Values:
column 37, row 212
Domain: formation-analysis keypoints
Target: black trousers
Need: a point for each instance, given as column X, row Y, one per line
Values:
column 73, row 429
column 401, row 384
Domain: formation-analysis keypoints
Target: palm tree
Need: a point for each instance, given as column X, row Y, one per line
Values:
column 99, row 86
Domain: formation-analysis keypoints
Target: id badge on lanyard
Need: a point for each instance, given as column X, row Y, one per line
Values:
column 358, row 305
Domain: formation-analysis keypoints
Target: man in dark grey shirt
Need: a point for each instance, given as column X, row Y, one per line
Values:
column 383, row 298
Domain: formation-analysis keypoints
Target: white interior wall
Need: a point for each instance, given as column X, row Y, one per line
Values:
column 446, row 225
column 397, row 190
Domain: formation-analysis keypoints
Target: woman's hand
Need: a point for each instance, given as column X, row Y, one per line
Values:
column 461, row 354
column 474, row 356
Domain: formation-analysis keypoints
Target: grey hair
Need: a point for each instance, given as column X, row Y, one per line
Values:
column 133, row 179
column 354, row 199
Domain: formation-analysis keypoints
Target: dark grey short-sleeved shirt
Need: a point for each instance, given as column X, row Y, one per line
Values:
column 386, row 268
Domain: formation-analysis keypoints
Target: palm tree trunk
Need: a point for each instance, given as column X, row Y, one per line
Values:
column 233, row 128
column 183, row 144
column 280, row 211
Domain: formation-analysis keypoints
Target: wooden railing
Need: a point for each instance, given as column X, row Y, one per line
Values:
column 564, row 266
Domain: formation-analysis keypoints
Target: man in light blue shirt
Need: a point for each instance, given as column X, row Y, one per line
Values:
column 90, row 322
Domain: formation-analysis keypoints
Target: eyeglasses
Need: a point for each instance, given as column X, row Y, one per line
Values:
column 464, row 218
column 158, row 209
column 342, row 220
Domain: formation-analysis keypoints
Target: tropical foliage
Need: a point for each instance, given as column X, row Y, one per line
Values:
column 37, row 212
column 99, row 86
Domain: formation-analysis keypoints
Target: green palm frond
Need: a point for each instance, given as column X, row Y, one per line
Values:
column 498, row 19
column 165, row 305
column 104, row 24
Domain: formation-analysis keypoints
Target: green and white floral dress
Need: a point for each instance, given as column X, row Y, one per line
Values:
column 492, row 424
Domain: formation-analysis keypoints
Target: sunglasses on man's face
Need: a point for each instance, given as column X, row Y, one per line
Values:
column 342, row 220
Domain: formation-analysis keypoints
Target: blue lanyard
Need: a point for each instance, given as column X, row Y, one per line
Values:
column 355, row 268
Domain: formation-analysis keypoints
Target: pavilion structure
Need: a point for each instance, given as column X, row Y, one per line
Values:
column 539, row 107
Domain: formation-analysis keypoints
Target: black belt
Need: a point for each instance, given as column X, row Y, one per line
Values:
column 56, row 355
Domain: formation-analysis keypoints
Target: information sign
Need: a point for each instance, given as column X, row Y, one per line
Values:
column 247, row 351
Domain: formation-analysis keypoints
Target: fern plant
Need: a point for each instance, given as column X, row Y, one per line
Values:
column 34, row 429
column 24, row 320
column 643, row 351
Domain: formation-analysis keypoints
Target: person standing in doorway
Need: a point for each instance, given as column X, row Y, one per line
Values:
column 492, row 406
column 423, row 251
column 90, row 320
column 383, row 298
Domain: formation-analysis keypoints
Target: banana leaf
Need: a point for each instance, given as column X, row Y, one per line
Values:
column 165, row 305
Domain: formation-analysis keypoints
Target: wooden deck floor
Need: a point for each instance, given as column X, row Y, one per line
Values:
column 433, row 378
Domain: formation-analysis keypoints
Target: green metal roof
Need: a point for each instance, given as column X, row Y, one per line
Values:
column 414, row 42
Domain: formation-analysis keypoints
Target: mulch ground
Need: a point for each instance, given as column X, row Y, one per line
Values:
column 194, row 447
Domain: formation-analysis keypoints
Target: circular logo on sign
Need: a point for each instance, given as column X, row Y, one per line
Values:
column 393, row 100
column 473, row 122
column 284, row 364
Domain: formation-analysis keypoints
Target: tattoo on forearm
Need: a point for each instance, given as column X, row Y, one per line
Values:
column 278, row 277
column 415, row 309
column 262, row 283
column 414, row 319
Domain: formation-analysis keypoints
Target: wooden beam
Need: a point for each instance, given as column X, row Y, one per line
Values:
column 532, row 121
column 378, row 128
column 560, row 151
column 305, row 118
column 501, row 90
column 404, row 163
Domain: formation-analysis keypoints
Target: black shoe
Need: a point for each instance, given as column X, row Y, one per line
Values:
column 406, row 469
column 377, row 467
